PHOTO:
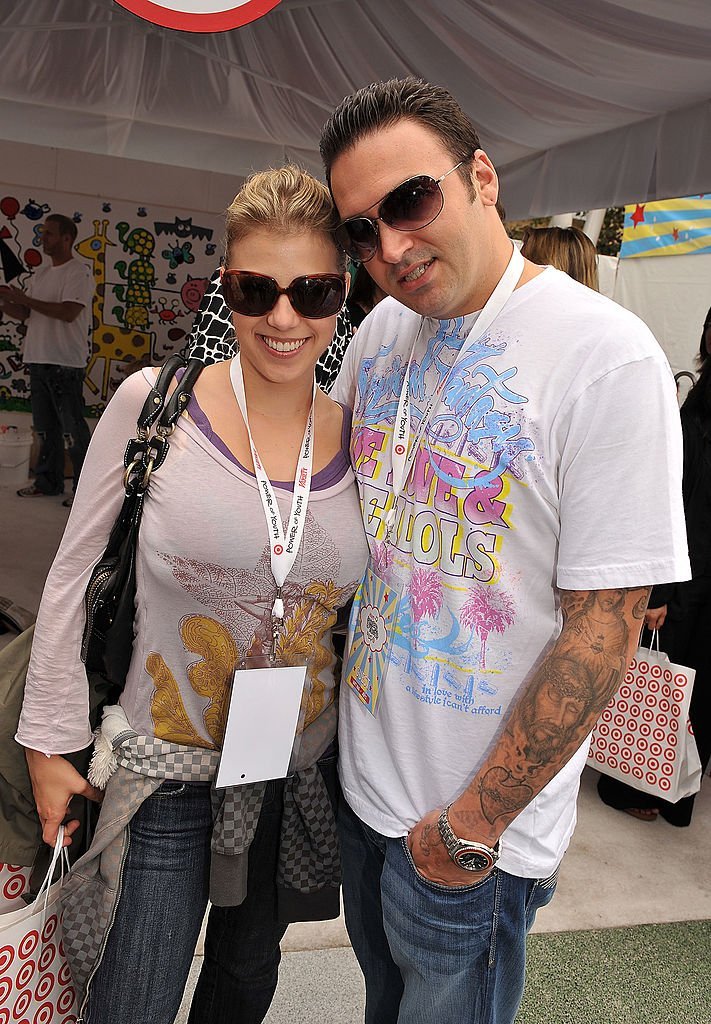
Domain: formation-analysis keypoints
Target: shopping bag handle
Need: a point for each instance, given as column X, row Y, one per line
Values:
column 655, row 637
column 59, row 854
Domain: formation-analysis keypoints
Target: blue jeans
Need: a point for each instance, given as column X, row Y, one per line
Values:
column 164, row 895
column 57, row 398
column 431, row 954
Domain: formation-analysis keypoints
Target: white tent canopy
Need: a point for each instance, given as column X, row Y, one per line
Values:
column 580, row 103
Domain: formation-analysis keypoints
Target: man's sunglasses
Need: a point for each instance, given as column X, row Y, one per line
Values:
column 412, row 205
column 313, row 296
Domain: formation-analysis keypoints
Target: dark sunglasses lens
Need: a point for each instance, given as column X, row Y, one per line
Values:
column 358, row 238
column 318, row 297
column 413, row 204
column 249, row 294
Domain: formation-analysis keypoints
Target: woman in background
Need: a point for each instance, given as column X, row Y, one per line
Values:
column 682, row 611
column 363, row 296
column 567, row 249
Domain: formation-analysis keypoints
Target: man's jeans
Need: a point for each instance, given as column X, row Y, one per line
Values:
column 57, row 397
column 431, row 954
column 164, row 894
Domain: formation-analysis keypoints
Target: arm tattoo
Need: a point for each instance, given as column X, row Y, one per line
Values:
column 429, row 838
column 641, row 607
column 560, row 703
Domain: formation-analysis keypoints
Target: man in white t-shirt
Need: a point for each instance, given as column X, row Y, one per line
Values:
column 520, row 485
column 57, row 308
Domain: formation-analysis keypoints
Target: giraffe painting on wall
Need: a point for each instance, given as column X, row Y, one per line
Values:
column 109, row 342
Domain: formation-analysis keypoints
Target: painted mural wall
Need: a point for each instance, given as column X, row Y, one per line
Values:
column 151, row 266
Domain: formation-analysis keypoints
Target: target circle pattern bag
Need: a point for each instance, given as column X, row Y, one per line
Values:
column 14, row 881
column 35, row 982
column 644, row 737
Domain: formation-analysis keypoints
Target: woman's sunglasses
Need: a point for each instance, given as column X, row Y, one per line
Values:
column 412, row 205
column 313, row 296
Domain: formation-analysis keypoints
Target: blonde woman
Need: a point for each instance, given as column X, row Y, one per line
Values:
column 567, row 249
column 212, row 588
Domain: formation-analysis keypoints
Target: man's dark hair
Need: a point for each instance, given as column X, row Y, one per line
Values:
column 383, row 104
column 65, row 224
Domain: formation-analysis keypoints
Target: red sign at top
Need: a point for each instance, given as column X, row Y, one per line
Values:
column 199, row 15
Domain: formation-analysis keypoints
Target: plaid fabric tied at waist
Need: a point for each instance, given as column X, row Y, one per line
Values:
column 135, row 767
column 309, row 854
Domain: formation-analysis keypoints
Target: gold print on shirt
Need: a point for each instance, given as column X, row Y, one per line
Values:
column 241, row 601
column 209, row 677
column 301, row 635
column 170, row 719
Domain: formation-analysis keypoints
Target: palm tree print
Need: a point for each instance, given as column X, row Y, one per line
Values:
column 425, row 598
column 486, row 609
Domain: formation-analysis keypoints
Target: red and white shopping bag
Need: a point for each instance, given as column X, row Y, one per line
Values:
column 644, row 737
column 35, row 982
column 14, row 881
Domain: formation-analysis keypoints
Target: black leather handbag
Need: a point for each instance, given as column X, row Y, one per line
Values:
column 109, row 602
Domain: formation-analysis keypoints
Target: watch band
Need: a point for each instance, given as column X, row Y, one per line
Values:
column 466, row 853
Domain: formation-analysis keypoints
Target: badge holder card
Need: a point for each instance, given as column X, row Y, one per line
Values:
column 265, row 721
column 373, row 623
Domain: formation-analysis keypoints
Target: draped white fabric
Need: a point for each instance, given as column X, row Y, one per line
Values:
column 580, row 104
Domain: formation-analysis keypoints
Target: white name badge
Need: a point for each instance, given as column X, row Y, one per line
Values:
column 263, row 722
column 375, row 612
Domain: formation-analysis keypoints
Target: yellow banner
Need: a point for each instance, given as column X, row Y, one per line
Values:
column 669, row 227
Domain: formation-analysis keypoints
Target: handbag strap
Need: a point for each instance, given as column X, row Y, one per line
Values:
column 181, row 396
column 153, row 405
column 145, row 453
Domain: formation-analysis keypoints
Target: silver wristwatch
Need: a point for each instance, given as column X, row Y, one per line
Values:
column 466, row 853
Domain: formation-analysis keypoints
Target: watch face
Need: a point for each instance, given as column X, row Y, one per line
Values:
column 472, row 860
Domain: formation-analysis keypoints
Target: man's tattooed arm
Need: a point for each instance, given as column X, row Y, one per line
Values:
column 556, row 709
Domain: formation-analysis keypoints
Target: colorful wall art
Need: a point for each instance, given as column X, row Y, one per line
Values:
column 151, row 266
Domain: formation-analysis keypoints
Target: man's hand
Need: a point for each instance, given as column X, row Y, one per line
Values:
column 14, row 303
column 54, row 782
column 431, row 858
column 19, row 304
column 654, row 617
column 9, row 293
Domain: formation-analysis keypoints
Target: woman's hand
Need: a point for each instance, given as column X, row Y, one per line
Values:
column 54, row 782
column 654, row 617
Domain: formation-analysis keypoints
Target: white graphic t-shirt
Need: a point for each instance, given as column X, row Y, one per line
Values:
column 552, row 460
column 49, row 340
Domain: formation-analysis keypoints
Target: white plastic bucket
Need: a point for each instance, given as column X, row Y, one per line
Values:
column 15, row 448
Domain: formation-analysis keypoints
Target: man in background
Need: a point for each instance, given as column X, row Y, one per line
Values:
column 57, row 308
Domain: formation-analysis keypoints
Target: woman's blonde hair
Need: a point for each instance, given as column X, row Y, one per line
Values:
column 568, row 249
column 286, row 200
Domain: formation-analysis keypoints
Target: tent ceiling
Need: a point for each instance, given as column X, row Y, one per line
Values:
column 580, row 104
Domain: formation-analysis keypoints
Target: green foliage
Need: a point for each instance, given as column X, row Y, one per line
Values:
column 516, row 228
column 610, row 238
